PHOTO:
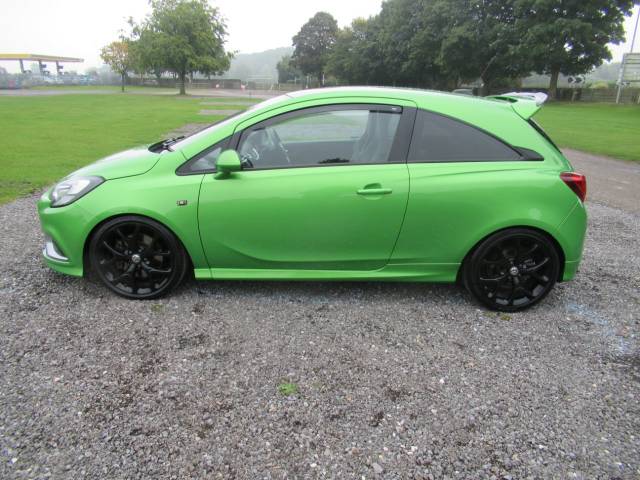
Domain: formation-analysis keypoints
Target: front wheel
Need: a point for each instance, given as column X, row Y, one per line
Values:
column 137, row 257
column 512, row 269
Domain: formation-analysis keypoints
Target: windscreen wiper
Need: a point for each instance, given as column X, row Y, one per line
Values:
column 164, row 144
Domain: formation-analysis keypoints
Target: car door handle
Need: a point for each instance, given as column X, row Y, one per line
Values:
column 374, row 191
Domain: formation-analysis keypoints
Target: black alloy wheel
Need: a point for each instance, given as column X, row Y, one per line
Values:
column 137, row 257
column 512, row 269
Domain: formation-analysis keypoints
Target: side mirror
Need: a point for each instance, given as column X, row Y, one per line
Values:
column 228, row 162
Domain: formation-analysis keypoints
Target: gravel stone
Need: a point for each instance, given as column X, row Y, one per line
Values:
column 394, row 380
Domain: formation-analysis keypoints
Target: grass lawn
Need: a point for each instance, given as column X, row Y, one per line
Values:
column 47, row 137
column 607, row 129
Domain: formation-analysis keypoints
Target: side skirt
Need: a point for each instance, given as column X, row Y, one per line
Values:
column 434, row 272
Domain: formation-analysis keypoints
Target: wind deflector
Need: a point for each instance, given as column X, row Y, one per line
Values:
column 525, row 104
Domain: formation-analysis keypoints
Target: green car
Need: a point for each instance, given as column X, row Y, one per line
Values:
column 333, row 184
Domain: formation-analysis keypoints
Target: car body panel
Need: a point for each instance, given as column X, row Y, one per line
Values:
column 453, row 206
column 68, row 227
column 128, row 163
column 570, row 234
column 390, row 272
column 154, row 196
column 303, row 218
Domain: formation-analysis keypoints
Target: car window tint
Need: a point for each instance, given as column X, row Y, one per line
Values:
column 204, row 161
column 340, row 136
column 437, row 138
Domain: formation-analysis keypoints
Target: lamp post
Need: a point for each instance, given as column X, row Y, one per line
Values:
column 635, row 31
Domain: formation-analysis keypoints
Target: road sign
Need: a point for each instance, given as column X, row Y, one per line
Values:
column 630, row 69
column 629, row 72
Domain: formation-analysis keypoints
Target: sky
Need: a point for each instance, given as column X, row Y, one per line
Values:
column 79, row 28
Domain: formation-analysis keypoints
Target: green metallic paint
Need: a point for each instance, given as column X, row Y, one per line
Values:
column 570, row 235
column 452, row 206
column 303, row 218
column 227, row 163
column 123, row 164
column 67, row 226
column 310, row 223
column 396, row 273
column 154, row 196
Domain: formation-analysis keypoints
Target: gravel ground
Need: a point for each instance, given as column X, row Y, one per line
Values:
column 393, row 380
column 612, row 182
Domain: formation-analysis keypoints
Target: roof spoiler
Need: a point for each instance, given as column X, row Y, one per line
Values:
column 525, row 104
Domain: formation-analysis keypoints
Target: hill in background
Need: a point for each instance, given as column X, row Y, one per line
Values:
column 260, row 65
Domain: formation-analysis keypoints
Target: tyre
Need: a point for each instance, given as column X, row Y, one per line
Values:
column 137, row 257
column 512, row 270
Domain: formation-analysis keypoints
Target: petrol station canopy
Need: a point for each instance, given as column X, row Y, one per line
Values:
column 21, row 57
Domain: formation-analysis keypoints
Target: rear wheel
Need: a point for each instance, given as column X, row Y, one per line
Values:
column 137, row 257
column 512, row 269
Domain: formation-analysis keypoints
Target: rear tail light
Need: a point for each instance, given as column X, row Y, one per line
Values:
column 576, row 182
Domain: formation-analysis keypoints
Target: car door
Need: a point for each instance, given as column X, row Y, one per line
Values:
column 321, row 188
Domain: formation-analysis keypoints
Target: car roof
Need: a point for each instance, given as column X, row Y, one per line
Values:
column 423, row 98
column 468, row 108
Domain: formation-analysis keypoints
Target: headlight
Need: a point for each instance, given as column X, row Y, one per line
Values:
column 68, row 191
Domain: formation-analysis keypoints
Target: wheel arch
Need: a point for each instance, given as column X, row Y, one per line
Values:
column 86, row 264
column 554, row 242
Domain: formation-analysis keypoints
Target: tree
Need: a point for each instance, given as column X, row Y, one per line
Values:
column 480, row 40
column 146, row 52
column 399, row 23
column 116, row 55
column 287, row 71
column 182, row 37
column 570, row 36
column 356, row 56
column 313, row 43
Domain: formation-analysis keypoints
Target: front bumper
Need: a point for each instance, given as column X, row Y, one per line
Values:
column 65, row 230
column 52, row 251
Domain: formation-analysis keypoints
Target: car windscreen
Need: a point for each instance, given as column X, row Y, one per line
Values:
column 184, row 142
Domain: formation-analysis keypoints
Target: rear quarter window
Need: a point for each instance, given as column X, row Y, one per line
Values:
column 437, row 138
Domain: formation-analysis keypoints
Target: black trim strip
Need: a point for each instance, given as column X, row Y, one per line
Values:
column 544, row 134
column 529, row 155
column 183, row 169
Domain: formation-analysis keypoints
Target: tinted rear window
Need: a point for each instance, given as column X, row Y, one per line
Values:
column 437, row 138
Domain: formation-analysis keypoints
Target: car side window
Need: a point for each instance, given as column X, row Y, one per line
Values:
column 358, row 135
column 437, row 138
column 205, row 161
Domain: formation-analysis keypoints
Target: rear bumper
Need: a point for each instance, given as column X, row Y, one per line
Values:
column 570, row 270
column 570, row 234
